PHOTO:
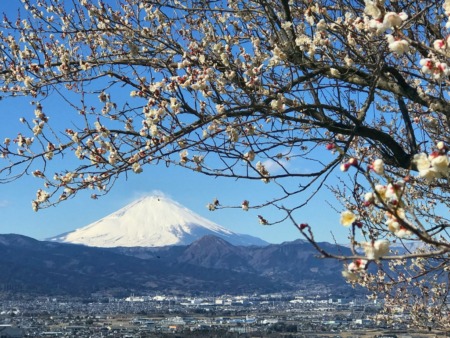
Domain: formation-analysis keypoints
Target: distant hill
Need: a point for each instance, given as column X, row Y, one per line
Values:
column 152, row 221
column 210, row 265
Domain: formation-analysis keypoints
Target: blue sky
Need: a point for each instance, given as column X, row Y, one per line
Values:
column 191, row 189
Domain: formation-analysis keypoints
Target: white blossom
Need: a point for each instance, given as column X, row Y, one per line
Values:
column 335, row 72
column 357, row 265
column 392, row 19
column 136, row 168
column 372, row 9
column 421, row 161
column 399, row 46
column 249, row 156
column 378, row 166
column 347, row 218
column 369, row 197
column 427, row 65
column 376, row 249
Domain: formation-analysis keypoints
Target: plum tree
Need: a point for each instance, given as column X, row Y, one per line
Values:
column 252, row 89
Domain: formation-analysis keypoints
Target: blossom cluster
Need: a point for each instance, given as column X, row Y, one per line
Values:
column 237, row 93
column 383, row 21
column 434, row 165
column 390, row 197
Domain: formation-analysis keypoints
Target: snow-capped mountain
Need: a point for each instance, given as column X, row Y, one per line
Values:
column 150, row 222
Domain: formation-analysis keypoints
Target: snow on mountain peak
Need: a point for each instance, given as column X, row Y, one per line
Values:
column 152, row 221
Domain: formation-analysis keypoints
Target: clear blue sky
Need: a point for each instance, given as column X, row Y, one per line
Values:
column 191, row 189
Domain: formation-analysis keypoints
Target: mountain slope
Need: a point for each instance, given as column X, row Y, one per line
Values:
column 215, row 253
column 151, row 221
column 46, row 268
column 209, row 265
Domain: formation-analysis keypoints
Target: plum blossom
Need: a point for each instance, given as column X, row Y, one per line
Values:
column 369, row 197
column 233, row 133
column 421, row 161
column 277, row 105
column 347, row 218
column 345, row 166
column 381, row 191
column 393, row 193
column 440, row 162
column 376, row 249
column 262, row 220
column 441, row 146
column 389, row 21
column 396, row 223
column 427, row 65
column 351, row 276
column 184, row 157
column 348, row 61
column 378, row 166
column 261, row 168
column 249, row 156
column 441, row 44
column 321, row 25
column 446, row 7
column 335, row 72
column 245, row 205
column 28, row 82
column 174, row 104
column 113, row 158
column 42, row 196
column 392, row 19
column 398, row 230
column 330, row 146
column 372, row 9
column 399, row 46
column 435, row 68
column 211, row 207
column 357, row 265
column 377, row 25
column 286, row 25
column 434, row 166
column 136, row 168
column 351, row 162
column 441, row 69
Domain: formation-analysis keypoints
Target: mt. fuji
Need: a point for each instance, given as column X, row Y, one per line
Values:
column 152, row 221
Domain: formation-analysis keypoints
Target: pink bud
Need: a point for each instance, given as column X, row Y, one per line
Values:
column 353, row 161
column 330, row 146
column 358, row 224
column 303, row 226
column 344, row 166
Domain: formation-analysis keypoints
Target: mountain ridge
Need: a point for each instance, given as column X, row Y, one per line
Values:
column 209, row 265
column 151, row 221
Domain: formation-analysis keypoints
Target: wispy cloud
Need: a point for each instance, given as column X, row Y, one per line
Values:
column 4, row 203
column 141, row 194
column 275, row 166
